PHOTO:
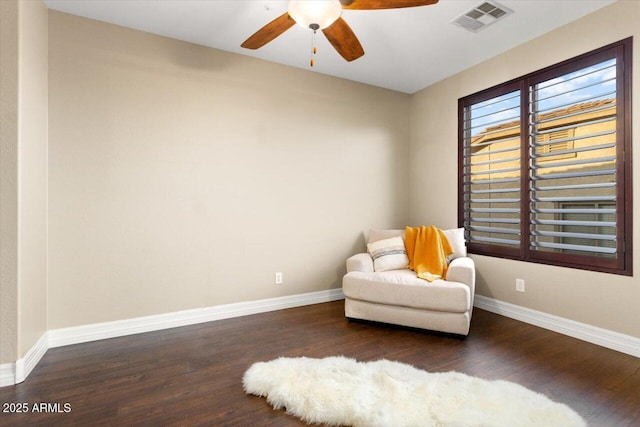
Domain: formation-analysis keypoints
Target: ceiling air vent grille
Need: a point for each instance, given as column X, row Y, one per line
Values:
column 481, row 16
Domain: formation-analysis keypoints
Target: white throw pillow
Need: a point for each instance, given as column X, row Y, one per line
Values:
column 456, row 240
column 375, row 235
column 388, row 254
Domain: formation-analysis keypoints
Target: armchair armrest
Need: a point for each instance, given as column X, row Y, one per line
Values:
column 360, row 262
column 463, row 270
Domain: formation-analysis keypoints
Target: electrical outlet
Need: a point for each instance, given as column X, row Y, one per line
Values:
column 520, row 285
column 278, row 278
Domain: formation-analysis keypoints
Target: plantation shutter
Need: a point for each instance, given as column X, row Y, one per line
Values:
column 544, row 165
column 572, row 173
column 491, row 171
column 576, row 234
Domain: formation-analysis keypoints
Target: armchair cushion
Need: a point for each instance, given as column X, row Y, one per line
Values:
column 403, row 288
column 456, row 240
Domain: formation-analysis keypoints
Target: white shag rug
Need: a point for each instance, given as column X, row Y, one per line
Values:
column 338, row 391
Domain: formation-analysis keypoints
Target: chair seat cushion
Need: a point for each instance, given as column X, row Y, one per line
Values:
column 404, row 288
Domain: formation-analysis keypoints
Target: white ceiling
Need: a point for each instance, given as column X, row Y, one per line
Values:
column 405, row 49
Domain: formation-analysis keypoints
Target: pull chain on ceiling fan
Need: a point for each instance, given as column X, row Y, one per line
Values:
column 315, row 15
column 325, row 15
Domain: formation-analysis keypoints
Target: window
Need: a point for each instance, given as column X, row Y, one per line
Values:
column 545, row 165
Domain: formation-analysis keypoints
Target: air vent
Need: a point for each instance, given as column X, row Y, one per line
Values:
column 481, row 16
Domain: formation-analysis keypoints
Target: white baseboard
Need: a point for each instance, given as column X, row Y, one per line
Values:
column 7, row 374
column 118, row 328
column 13, row 373
column 25, row 365
column 602, row 337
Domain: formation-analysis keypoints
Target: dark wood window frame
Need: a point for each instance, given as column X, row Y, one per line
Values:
column 620, row 263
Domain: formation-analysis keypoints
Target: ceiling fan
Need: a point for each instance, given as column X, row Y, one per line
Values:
column 325, row 15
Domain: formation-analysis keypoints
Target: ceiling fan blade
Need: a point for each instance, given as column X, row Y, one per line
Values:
column 343, row 39
column 269, row 32
column 384, row 4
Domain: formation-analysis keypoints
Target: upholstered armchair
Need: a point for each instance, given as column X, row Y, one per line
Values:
column 398, row 296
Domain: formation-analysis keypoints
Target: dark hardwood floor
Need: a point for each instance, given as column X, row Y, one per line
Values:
column 192, row 375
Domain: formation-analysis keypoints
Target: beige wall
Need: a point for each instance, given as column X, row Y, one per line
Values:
column 23, row 288
column 603, row 300
column 184, row 177
column 8, row 181
column 32, row 176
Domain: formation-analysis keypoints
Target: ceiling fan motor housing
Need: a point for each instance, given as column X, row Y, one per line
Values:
column 315, row 14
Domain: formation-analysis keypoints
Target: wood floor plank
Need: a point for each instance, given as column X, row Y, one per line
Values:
column 193, row 375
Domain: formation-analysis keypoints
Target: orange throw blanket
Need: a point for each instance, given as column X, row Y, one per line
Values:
column 427, row 249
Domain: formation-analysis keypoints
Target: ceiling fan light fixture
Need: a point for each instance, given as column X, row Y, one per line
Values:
column 315, row 14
